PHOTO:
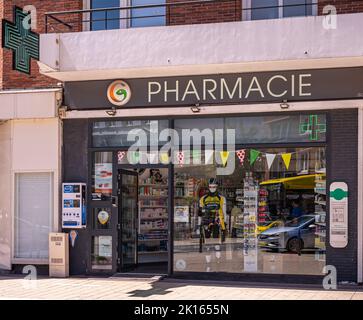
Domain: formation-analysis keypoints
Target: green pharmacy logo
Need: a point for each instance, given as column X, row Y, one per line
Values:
column 313, row 127
column 22, row 41
column 122, row 94
column 119, row 93
column 338, row 194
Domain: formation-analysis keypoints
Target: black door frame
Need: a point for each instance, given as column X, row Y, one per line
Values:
column 129, row 168
column 120, row 267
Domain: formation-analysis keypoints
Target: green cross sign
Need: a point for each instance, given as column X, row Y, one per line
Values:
column 313, row 127
column 22, row 41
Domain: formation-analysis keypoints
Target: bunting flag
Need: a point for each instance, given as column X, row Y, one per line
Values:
column 241, row 154
column 152, row 157
column 287, row 158
column 270, row 159
column 197, row 156
column 134, row 157
column 120, row 156
column 224, row 157
column 180, row 157
column 253, row 156
column 164, row 158
column 209, row 156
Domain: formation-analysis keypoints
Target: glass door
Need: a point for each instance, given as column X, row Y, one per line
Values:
column 128, row 193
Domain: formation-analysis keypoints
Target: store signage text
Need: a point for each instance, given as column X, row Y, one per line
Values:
column 218, row 89
column 208, row 89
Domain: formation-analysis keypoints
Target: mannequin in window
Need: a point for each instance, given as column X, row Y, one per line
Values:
column 213, row 212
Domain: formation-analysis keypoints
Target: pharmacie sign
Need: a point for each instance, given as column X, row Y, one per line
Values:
column 260, row 87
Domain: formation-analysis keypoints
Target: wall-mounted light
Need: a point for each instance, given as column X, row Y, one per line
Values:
column 196, row 108
column 284, row 105
column 112, row 112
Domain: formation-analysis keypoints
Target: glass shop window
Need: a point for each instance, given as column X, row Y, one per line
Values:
column 102, row 176
column 127, row 133
column 278, row 129
column 265, row 215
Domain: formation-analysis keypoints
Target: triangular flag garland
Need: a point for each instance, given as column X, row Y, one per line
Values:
column 241, row 154
column 224, row 157
column 254, row 155
column 164, row 158
column 270, row 157
column 287, row 158
column 133, row 157
column 209, row 156
column 120, row 156
column 197, row 156
column 181, row 157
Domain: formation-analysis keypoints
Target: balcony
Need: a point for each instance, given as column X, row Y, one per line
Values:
column 95, row 44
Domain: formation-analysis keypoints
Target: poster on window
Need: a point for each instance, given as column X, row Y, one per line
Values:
column 105, row 246
column 103, row 178
column 181, row 214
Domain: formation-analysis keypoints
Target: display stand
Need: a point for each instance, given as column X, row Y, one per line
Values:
column 153, row 221
column 250, row 245
column 320, row 211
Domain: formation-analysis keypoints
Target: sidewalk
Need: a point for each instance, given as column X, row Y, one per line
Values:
column 171, row 289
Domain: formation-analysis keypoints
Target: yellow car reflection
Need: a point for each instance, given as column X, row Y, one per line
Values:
column 269, row 225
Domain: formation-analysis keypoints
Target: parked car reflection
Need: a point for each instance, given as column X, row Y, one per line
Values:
column 296, row 235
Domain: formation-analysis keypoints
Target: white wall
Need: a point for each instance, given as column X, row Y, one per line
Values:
column 287, row 43
column 36, row 148
column 30, row 141
column 5, row 196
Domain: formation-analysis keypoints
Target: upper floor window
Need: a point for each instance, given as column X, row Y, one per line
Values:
column 148, row 17
column 135, row 17
column 274, row 9
column 105, row 20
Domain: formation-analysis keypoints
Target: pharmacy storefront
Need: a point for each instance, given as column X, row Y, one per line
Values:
column 238, row 176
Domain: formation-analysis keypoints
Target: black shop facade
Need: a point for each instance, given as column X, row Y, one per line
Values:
column 227, row 176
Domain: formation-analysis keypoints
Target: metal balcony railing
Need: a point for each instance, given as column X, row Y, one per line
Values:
column 170, row 14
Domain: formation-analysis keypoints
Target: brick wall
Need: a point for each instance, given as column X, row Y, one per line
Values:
column 219, row 11
column 343, row 6
column 10, row 79
column 343, row 166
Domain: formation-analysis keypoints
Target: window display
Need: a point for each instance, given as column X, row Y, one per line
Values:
column 268, row 216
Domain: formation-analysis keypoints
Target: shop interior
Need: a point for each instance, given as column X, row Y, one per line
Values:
column 275, row 214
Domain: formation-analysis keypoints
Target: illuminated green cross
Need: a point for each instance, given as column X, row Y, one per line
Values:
column 313, row 127
column 22, row 41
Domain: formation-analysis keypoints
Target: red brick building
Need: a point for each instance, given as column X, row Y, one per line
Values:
column 217, row 11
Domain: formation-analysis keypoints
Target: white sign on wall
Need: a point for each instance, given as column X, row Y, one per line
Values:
column 338, row 197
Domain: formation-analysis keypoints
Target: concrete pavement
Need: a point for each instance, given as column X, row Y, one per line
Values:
column 116, row 288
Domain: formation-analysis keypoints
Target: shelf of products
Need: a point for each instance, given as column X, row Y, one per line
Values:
column 320, row 211
column 153, row 216
column 263, row 209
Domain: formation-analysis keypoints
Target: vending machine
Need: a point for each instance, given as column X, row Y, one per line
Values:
column 74, row 211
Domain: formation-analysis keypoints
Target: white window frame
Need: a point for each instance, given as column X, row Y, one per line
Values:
column 246, row 4
column 55, row 215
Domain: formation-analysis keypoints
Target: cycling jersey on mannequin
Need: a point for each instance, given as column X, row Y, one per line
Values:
column 213, row 212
